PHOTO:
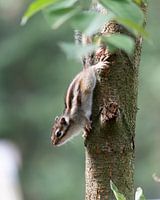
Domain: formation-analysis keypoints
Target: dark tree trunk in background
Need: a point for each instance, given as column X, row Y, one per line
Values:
column 110, row 148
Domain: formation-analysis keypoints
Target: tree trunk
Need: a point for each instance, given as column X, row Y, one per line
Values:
column 110, row 145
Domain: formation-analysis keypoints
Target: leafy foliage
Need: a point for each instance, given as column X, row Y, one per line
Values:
column 119, row 41
column 139, row 2
column 125, row 9
column 77, row 51
column 90, row 22
column 138, row 196
column 125, row 12
column 60, row 13
column 117, row 194
column 59, row 17
column 35, row 7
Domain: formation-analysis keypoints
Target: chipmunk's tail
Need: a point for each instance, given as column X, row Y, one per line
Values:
column 81, row 39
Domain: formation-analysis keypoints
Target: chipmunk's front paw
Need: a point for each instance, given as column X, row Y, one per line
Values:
column 103, row 64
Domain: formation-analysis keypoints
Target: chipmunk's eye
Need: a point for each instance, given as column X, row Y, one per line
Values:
column 58, row 133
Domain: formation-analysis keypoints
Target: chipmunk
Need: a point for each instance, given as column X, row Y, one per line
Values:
column 78, row 106
column 78, row 100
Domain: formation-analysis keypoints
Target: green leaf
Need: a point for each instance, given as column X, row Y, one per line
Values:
column 74, row 51
column 90, row 22
column 59, row 17
column 120, row 41
column 118, row 195
column 139, row 194
column 133, row 27
column 138, row 2
column 125, row 9
column 85, row 4
column 98, row 22
column 61, row 12
column 145, row 1
column 61, row 4
column 36, row 7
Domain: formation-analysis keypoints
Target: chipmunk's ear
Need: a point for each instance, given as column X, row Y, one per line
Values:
column 63, row 121
column 56, row 118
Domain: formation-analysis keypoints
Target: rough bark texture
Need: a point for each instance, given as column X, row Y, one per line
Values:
column 110, row 146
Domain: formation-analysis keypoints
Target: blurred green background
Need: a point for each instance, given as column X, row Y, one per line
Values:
column 34, row 75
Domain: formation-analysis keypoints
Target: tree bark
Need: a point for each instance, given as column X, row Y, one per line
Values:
column 110, row 146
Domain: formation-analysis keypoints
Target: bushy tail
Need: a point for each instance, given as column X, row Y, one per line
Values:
column 81, row 39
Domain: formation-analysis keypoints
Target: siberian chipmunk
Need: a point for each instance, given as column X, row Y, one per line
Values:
column 78, row 106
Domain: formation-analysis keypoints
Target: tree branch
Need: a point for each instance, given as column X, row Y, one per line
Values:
column 110, row 145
